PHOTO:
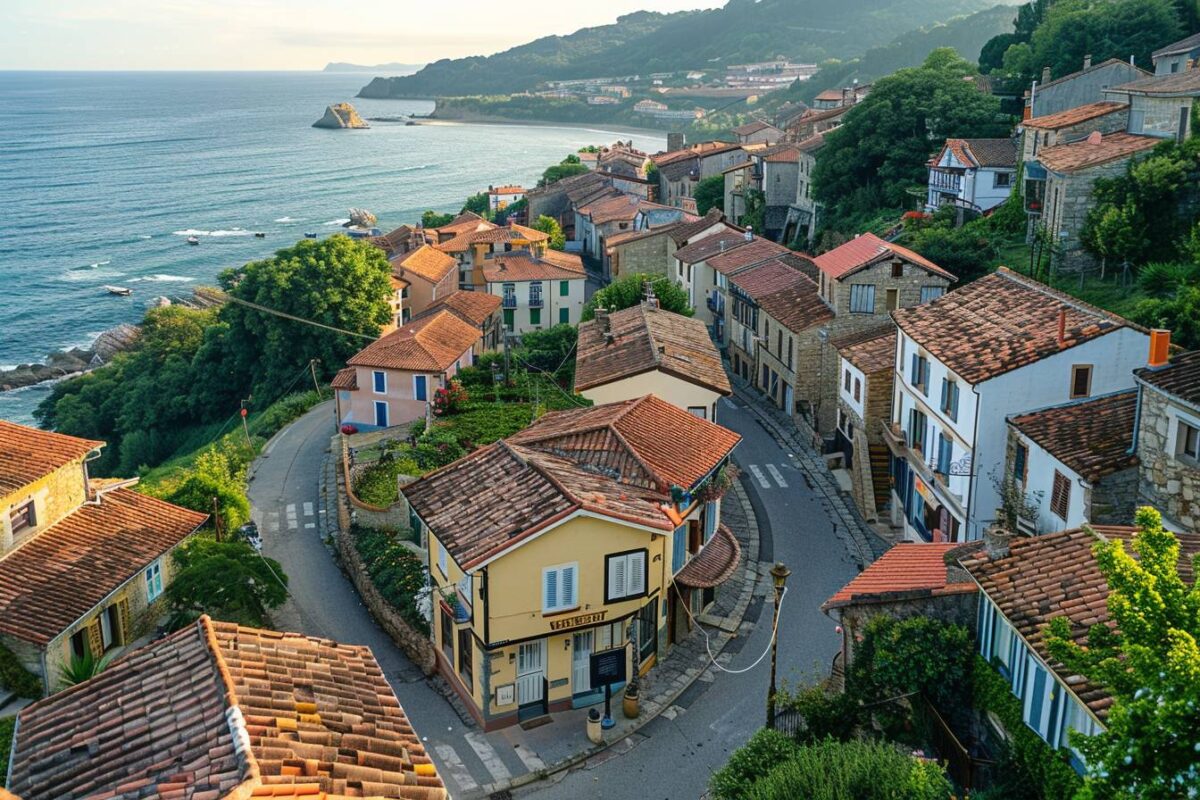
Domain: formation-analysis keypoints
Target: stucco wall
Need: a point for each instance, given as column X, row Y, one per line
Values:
column 676, row 391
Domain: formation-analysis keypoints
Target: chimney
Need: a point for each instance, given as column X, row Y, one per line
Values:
column 1045, row 74
column 721, row 244
column 749, row 234
column 1095, row 137
column 996, row 542
column 1087, row 61
column 1160, row 348
column 1062, row 326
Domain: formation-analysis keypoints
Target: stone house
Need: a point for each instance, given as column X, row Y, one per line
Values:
column 707, row 279
column 83, row 562
column 866, row 371
column 972, row 174
column 745, row 287
column 1079, row 88
column 1160, row 105
column 430, row 275
column 587, row 532
column 627, row 354
column 780, row 178
column 1167, row 441
column 814, row 121
column 804, row 213
column 474, row 249
column 1038, row 133
column 1074, row 462
column 690, row 270
column 556, row 199
column 652, row 251
column 757, row 132
column 1178, row 56
column 390, row 380
column 785, row 350
column 680, row 170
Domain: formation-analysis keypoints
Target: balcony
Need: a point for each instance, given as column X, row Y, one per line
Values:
column 897, row 441
column 945, row 181
column 535, row 300
column 509, row 301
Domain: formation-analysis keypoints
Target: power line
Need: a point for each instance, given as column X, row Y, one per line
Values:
column 292, row 317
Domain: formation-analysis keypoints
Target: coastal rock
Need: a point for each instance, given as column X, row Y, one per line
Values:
column 115, row 340
column 341, row 115
column 62, row 363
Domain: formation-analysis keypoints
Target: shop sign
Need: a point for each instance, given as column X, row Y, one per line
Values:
column 578, row 621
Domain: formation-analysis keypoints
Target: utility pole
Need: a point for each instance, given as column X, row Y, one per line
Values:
column 779, row 575
column 245, row 427
column 217, row 518
column 312, row 366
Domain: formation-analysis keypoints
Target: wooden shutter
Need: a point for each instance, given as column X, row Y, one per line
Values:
column 616, row 577
column 550, row 590
column 1060, row 497
column 945, row 395
column 125, row 636
column 94, row 639
column 568, row 587
column 636, row 573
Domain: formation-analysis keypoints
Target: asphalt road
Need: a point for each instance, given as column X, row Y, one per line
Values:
column 673, row 758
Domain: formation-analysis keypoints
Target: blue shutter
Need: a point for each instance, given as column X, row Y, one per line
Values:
column 954, row 401
column 567, row 600
column 380, row 382
column 710, row 520
column 550, row 590
column 915, row 373
column 945, row 393
column 419, row 388
column 679, row 548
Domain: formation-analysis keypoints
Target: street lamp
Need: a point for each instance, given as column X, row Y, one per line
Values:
column 779, row 574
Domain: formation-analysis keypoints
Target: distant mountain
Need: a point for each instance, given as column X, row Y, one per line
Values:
column 391, row 68
column 644, row 42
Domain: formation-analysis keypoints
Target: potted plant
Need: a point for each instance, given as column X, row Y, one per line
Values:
column 629, row 703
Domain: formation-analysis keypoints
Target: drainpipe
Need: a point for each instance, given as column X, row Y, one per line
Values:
column 1137, row 418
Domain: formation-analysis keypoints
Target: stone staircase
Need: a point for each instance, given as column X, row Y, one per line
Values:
column 881, row 477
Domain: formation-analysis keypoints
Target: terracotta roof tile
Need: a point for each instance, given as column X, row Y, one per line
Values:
column 426, row 262
column 1180, row 377
column 1082, row 154
column 702, row 249
column 429, row 344
column 682, row 232
column 646, row 339
column 1092, row 437
column 797, row 307
column 318, row 719
column 62, row 573
column 27, row 454
column 715, row 562
column 812, row 143
column 522, row 266
column 1074, row 116
column 761, row 279
column 866, row 249
column 782, row 154
column 492, row 234
column 752, row 127
column 829, row 94
column 1057, row 575
column 466, row 221
column 907, row 570
column 345, row 379
column 470, row 307
column 757, row 250
column 875, row 353
column 1001, row 322
column 984, row 152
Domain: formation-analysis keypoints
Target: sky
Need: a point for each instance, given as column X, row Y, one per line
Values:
column 284, row 34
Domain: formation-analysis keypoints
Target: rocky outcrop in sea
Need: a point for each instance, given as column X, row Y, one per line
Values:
column 62, row 363
column 341, row 115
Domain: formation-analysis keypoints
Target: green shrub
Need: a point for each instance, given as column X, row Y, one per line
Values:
column 227, row 580
column 80, row 668
column 377, row 484
column 1163, row 280
column 918, row 654
column 749, row 763
column 8, row 726
column 17, row 679
column 285, row 410
column 827, row 715
column 397, row 572
column 852, row 770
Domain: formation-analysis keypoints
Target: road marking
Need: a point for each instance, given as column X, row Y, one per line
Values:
column 758, row 476
column 456, row 768
column 771, row 468
column 291, row 517
column 273, row 521
column 529, row 758
column 488, row 755
column 308, row 511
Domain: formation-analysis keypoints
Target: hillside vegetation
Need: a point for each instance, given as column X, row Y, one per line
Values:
column 644, row 42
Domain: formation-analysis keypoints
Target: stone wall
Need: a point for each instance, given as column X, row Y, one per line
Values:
column 1068, row 201
column 393, row 517
column 1114, row 498
column 1164, row 481
column 957, row 609
column 650, row 256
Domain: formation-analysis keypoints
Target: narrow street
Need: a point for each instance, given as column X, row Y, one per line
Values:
column 673, row 758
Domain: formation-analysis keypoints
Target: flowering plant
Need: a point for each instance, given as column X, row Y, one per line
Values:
column 450, row 398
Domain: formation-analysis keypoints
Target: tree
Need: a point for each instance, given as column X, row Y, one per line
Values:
column 1149, row 662
column 432, row 219
column 227, row 580
column 881, row 150
column 629, row 290
column 755, row 217
column 339, row 282
column 710, row 193
column 477, row 204
column 550, row 226
column 1180, row 314
column 218, row 475
column 567, row 168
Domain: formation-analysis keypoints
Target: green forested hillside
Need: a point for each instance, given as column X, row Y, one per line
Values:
column 742, row 31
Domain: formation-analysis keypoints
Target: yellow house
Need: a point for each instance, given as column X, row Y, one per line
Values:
column 644, row 350
column 82, row 561
column 474, row 249
column 595, row 529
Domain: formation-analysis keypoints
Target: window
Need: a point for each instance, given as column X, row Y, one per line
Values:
column 381, row 414
column 624, row 576
column 789, row 358
column 710, row 520
column 846, row 381
column 154, row 585
column 919, row 374
column 766, row 376
column 508, row 318
column 897, row 269
column 892, row 299
column 466, row 655
column 108, row 628
column 23, row 518
column 1060, row 496
column 862, row 298
column 442, row 561
column 1081, row 380
column 950, row 398
column 564, row 316
column 564, row 288
column 535, row 316
column 698, row 411
column 929, row 293
column 679, row 549
column 79, row 644
column 944, row 455
column 917, row 422
column 558, row 588
column 857, row 390
column 1001, row 180
column 1187, row 442
column 379, row 381
column 1020, row 463
column 447, row 634
column 420, row 386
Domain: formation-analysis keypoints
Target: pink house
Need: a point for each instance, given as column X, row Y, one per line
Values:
column 429, row 274
column 390, row 380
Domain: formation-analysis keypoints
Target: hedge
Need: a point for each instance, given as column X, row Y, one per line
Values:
column 17, row 679
column 397, row 572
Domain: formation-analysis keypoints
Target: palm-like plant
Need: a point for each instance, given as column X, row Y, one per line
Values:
column 80, row 669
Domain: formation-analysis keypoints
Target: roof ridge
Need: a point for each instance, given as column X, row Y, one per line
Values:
column 233, row 713
column 1063, row 297
column 541, row 470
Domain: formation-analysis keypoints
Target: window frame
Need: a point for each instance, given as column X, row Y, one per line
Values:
column 535, row 316
column 928, row 296
column 861, row 289
column 387, row 418
column 1183, row 427
column 443, row 560
column 26, row 510
column 1060, row 496
column 154, row 584
column 1076, row 371
column 1020, row 472
column 378, row 377
column 561, row 605
column 627, row 556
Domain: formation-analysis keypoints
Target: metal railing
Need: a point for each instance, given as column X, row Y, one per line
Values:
column 509, row 301
column 535, row 300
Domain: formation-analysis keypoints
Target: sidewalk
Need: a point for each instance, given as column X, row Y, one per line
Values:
column 562, row 743
column 862, row 541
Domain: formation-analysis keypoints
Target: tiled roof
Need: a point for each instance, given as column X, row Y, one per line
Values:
column 830, row 94
column 345, row 379
column 221, row 711
column 715, row 562
column 767, row 278
column 646, row 339
column 752, row 127
column 506, row 190
column 392, row 241
column 429, row 344
column 520, row 266
column 752, row 252
column 1092, row 437
column 812, row 143
column 743, row 165
column 426, row 262
column 1180, row 84
column 626, row 237
column 908, row 570
column 1106, row 63
column 866, row 249
column 1180, row 377
column 27, row 454
column 702, row 249
column 984, row 152
column 1082, row 154
column 682, row 232
column 610, row 209
column 1002, row 322
column 1056, row 575
column 471, row 307
column 785, row 154
column 796, row 307
column 1182, row 46
column 1074, row 116
column 466, row 221
column 59, row 575
column 873, row 354
column 493, row 234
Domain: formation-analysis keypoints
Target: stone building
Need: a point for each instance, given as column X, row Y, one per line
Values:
column 1168, row 438
column 784, row 318
column 1079, row 88
column 866, row 371
column 651, row 251
column 1038, row 133
column 804, row 212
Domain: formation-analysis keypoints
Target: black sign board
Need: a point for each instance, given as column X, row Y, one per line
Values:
column 608, row 667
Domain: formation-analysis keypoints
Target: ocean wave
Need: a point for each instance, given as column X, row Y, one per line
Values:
column 219, row 233
column 145, row 236
column 97, row 265
column 164, row 278
column 286, row 220
column 78, row 274
column 416, row 167
column 333, row 222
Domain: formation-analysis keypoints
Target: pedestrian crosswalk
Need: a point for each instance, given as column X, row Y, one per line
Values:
column 475, row 766
column 776, row 481
column 291, row 518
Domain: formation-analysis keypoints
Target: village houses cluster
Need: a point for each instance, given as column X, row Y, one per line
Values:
column 978, row 427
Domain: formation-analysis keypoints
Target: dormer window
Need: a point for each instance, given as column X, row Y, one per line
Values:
column 23, row 518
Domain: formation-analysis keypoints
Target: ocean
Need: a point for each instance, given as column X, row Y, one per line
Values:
column 103, row 176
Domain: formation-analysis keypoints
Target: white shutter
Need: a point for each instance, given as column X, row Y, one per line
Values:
column 636, row 581
column 550, row 590
column 568, row 587
column 616, row 577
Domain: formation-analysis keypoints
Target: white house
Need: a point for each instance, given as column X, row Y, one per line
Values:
column 501, row 197
column 537, row 292
column 976, row 174
column 1002, row 345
